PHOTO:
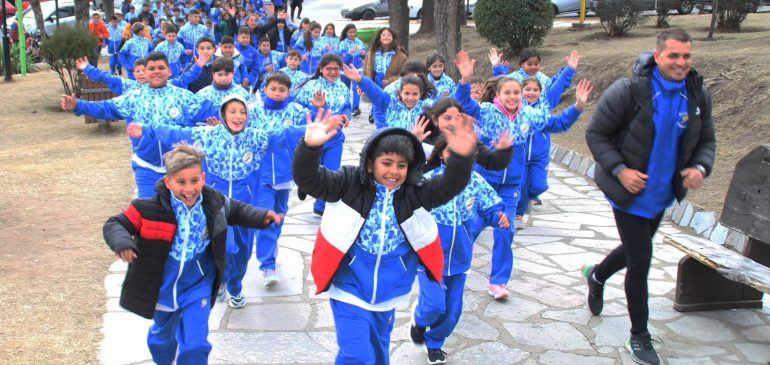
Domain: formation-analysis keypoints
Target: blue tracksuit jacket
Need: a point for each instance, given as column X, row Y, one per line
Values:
column 174, row 53
column 444, row 85
column 276, row 116
column 135, row 48
column 396, row 113
column 120, row 86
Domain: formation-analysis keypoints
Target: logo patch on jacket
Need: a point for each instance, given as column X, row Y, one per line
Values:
column 248, row 157
column 174, row 112
column 470, row 202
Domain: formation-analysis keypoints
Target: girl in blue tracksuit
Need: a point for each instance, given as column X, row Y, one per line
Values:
column 502, row 111
column 300, row 33
column 311, row 48
column 135, row 48
column 401, row 111
column 275, row 180
column 445, row 86
column 353, row 51
column 234, row 151
column 329, row 39
column 325, row 90
column 439, row 306
column 113, row 44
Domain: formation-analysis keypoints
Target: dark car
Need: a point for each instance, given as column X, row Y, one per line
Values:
column 365, row 9
column 681, row 6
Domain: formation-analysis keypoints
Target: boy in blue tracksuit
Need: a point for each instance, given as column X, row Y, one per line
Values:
column 137, row 47
column 249, row 54
column 267, row 61
column 120, row 86
column 439, row 306
column 172, row 49
column 227, row 49
column 506, row 112
column 293, row 59
column 157, row 103
column 113, row 44
column 234, row 151
column 223, row 84
column 190, row 33
column 378, row 230
column 275, row 180
column 174, row 244
column 353, row 51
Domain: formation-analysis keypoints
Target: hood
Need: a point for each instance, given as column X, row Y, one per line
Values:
column 644, row 64
column 225, row 100
column 236, row 52
column 414, row 174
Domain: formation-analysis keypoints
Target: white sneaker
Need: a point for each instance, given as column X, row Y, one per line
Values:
column 270, row 277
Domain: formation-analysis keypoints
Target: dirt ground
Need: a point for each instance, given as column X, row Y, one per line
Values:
column 62, row 178
column 735, row 66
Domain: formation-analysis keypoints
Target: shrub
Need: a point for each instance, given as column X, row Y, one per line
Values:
column 663, row 11
column 733, row 12
column 61, row 50
column 16, row 61
column 513, row 25
column 619, row 16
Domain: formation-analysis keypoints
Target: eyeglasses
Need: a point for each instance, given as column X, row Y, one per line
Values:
column 331, row 69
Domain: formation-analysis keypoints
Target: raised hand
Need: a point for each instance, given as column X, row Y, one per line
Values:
column 582, row 93
column 351, row 72
column 573, row 59
column 419, row 128
column 68, row 102
column 462, row 138
column 134, row 129
column 465, row 65
column 319, row 99
column 495, row 57
column 81, row 63
column 212, row 121
column 201, row 61
column 503, row 141
column 319, row 131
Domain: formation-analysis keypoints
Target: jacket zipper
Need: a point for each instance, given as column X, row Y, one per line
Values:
column 379, row 250
column 454, row 235
column 181, row 260
column 529, row 153
column 230, row 178
column 272, row 163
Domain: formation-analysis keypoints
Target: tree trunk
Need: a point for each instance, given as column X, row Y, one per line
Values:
column 399, row 20
column 461, row 18
column 448, row 37
column 427, row 23
column 109, row 9
column 714, row 11
column 81, row 12
column 35, row 4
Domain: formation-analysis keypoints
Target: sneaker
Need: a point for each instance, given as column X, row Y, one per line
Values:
column 301, row 195
column 318, row 213
column 371, row 118
column 356, row 112
column 519, row 222
column 499, row 292
column 237, row 301
column 416, row 332
column 536, row 201
column 221, row 294
column 436, row 356
column 595, row 296
column 642, row 352
column 270, row 277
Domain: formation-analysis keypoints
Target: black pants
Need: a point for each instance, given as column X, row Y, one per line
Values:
column 634, row 254
column 295, row 6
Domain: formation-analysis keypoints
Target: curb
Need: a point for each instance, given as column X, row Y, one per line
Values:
column 685, row 214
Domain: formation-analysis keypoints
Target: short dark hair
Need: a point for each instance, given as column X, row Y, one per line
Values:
column 194, row 12
column 170, row 28
column 264, row 39
column 413, row 67
column 204, row 40
column 244, row 30
column 528, row 53
column 157, row 56
column 140, row 62
column 226, row 40
column 293, row 53
column 395, row 143
column 223, row 64
column 280, row 78
column 677, row 34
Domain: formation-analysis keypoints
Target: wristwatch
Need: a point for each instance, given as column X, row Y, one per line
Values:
column 702, row 169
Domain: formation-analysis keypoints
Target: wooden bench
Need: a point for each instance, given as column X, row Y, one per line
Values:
column 95, row 91
column 713, row 276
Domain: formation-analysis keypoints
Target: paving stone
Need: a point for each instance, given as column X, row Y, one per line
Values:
column 558, row 357
column 609, row 232
column 701, row 221
column 741, row 317
column 754, row 351
column 527, row 240
column 554, row 248
column 719, row 234
column 216, row 315
column 472, row 301
column 476, row 282
column 562, row 280
column 700, row 328
column 582, row 218
column 660, row 287
column 575, row 261
column 290, row 267
column 579, row 316
column 514, row 309
column 532, row 267
column 488, row 353
column 758, row 334
column 324, row 316
column 614, row 308
column 125, row 339
column 612, row 331
column 553, row 224
column 548, row 335
column 604, row 245
column 269, row 348
column 473, row 327
column 687, row 215
column 662, row 309
column 408, row 354
column 271, row 317
column 691, row 361
column 543, row 231
column 296, row 243
column 547, row 293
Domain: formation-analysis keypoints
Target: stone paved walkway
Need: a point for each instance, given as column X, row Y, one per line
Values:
column 545, row 322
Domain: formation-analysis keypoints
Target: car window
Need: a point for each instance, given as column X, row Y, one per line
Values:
column 66, row 11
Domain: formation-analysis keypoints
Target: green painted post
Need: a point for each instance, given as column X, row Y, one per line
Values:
column 22, row 38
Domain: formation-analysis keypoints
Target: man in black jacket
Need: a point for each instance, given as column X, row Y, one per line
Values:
column 652, row 137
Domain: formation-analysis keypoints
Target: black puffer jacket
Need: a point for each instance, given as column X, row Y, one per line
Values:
column 148, row 227
column 622, row 131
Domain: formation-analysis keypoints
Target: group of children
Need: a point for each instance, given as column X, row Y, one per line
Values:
column 412, row 208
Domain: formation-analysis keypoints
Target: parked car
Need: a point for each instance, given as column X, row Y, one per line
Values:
column 566, row 6
column 682, row 6
column 66, row 16
column 415, row 8
column 365, row 9
column 707, row 5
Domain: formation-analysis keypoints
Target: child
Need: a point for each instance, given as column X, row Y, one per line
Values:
column 439, row 306
column 280, row 37
column 311, row 48
column 293, row 59
column 378, row 231
column 502, row 111
column 119, row 85
column 173, row 275
column 445, row 86
column 401, row 111
column 267, row 60
column 383, row 63
column 223, row 84
column 275, row 173
column 135, row 48
column 227, row 49
column 99, row 30
column 113, row 44
column 249, row 54
column 329, row 40
column 353, row 51
column 172, row 49
column 325, row 90
column 205, row 49
column 191, row 33
column 233, row 137
column 477, row 88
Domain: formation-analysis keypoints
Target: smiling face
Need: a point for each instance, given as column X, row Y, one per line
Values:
column 205, row 49
column 292, row 62
column 264, row 47
column 675, row 61
column 316, row 32
column 531, row 92
column 410, row 95
column 244, row 38
column 235, row 116
column 352, row 33
column 186, row 184
column 329, row 30
column 436, row 69
column 140, row 74
column 510, row 95
column 386, row 38
column 389, row 169
column 531, row 66
column 157, row 73
column 331, row 72
column 227, row 49
column 451, row 119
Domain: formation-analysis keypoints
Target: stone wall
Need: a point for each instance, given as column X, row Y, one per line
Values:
column 685, row 214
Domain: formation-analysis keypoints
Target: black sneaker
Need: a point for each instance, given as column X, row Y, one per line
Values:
column 595, row 296
column 642, row 352
column 318, row 213
column 371, row 118
column 417, row 333
column 356, row 112
column 436, row 356
column 301, row 195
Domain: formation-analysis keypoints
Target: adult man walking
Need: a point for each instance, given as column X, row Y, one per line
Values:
column 652, row 137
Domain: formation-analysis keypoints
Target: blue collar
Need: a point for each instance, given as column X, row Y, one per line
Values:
column 271, row 104
column 666, row 86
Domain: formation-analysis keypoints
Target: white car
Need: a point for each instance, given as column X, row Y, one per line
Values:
column 415, row 8
column 66, row 16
